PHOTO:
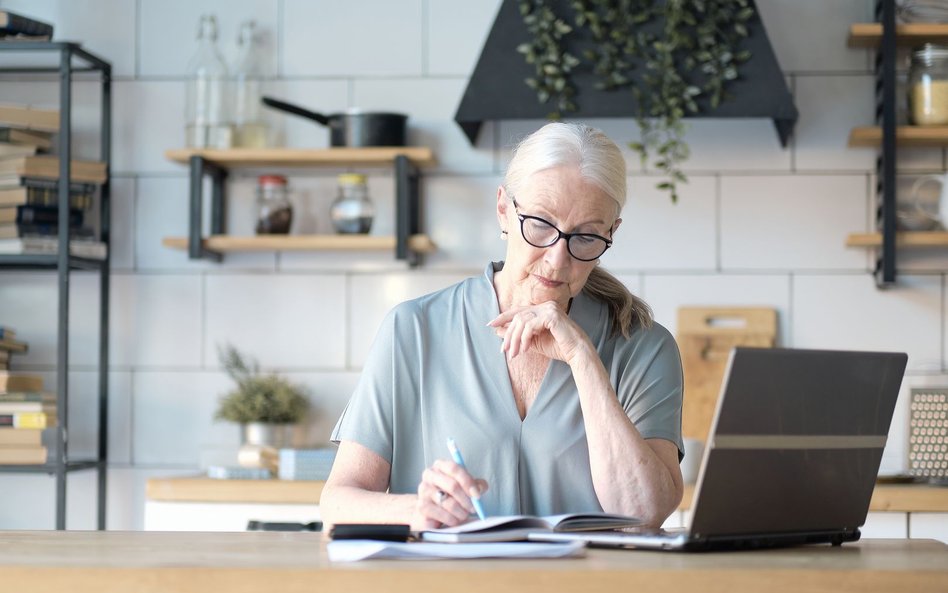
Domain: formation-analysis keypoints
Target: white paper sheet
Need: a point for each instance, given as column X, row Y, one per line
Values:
column 361, row 549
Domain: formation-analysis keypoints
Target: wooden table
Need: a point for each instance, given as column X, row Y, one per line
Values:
column 140, row 562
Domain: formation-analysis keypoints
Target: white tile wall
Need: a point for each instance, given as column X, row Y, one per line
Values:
column 839, row 312
column 825, row 47
column 112, row 38
column 163, row 20
column 362, row 38
column 763, row 221
column 757, row 224
column 457, row 29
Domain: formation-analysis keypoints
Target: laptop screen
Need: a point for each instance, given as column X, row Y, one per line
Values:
column 796, row 441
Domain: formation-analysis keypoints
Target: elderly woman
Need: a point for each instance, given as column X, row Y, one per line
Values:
column 554, row 381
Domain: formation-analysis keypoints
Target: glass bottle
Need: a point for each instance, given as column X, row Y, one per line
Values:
column 352, row 211
column 274, row 210
column 250, row 130
column 208, row 120
column 928, row 85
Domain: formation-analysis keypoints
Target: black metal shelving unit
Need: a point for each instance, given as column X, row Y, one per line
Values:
column 885, row 162
column 72, row 60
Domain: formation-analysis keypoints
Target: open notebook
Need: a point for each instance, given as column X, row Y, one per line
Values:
column 518, row 527
column 792, row 455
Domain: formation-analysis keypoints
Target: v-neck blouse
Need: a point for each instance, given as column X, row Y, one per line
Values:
column 436, row 371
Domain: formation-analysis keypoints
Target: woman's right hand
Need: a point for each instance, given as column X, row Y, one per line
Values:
column 444, row 496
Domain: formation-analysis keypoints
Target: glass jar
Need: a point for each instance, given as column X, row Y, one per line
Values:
column 928, row 86
column 274, row 211
column 352, row 211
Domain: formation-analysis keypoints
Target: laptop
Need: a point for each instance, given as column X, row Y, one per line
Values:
column 792, row 455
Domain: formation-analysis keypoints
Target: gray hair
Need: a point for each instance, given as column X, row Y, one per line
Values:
column 556, row 144
column 601, row 162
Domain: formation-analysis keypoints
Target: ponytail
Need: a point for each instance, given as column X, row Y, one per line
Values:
column 628, row 311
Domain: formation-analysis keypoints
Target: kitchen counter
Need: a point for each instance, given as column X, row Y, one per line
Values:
column 112, row 561
column 911, row 498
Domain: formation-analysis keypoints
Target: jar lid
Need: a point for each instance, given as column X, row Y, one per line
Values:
column 271, row 180
column 351, row 179
column 931, row 50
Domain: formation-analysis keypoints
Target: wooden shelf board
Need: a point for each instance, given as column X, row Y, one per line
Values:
column 421, row 156
column 908, row 34
column 903, row 239
column 227, row 243
column 871, row 136
column 203, row 489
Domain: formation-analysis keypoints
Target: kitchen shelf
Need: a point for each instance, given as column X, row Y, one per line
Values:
column 409, row 243
column 909, row 34
column 902, row 239
column 69, row 63
column 232, row 158
column 228, row 243
column 871, row 136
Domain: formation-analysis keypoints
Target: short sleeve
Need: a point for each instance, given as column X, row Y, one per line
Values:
column 650, row 384
column 369, row 416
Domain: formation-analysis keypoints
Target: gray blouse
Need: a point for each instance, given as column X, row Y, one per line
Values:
column 436, row 371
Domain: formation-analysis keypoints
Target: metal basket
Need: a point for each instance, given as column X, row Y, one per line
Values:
column 928, row 434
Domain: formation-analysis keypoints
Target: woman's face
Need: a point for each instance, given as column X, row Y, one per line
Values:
column 563, row 198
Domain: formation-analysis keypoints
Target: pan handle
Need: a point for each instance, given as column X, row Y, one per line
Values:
column 295, row 110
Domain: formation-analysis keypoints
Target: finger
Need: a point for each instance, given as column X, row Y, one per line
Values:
column 438, row 514
column 454, row 481
column 464, row 485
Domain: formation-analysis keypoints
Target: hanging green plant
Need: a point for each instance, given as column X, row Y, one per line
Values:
column 684, row 51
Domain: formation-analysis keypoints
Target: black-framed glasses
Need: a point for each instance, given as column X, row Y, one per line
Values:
column 543, row 233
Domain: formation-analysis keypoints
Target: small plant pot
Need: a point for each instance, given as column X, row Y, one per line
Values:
column 264, row 434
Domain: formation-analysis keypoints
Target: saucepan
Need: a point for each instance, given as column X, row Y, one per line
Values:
column 352, row 127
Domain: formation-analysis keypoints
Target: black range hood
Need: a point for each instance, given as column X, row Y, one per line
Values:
column 497, row 91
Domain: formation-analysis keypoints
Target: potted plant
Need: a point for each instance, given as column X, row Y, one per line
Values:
column 267, row 406
column 671, row 55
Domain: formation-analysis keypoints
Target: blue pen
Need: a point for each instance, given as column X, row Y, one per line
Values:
column 456, row 454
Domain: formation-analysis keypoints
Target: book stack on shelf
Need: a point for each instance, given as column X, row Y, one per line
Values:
column 16, row 27
column 9, row 346
column 29, row 187
column 25, row 411
column 305, row 464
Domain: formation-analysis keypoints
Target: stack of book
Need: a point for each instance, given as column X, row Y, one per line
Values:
column 25, row 411
column 9, row 346
column 18, row 27
column 305, row 464
column 29, row 187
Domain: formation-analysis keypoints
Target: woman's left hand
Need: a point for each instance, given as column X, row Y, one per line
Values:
column 544, row 328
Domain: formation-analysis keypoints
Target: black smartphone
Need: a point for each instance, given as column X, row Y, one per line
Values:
column 379, row 531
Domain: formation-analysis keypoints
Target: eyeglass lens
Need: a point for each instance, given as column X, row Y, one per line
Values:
column 541, row 233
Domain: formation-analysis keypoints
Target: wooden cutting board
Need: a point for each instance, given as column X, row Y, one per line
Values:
column 706, row 336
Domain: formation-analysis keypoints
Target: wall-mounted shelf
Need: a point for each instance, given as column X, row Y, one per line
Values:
column 885, row 36
column 229, row 243
column 871, row 136
column 232, row 158
column 909, row 34
column 902, row 239
column 406, row 161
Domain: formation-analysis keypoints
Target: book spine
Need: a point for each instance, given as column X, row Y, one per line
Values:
column 27, row 420
column 51, row 230
column 27, row 396
column 45, row 215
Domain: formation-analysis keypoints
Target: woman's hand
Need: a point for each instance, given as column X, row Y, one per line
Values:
column 544, row 328
column 444, row 496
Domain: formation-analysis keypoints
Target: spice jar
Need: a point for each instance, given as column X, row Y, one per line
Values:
column 928, row 85
column 274, row 211
column 352, row 211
